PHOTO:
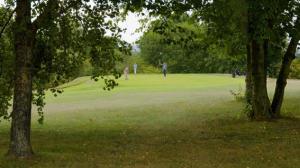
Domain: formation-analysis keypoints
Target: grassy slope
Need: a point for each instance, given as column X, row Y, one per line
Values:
column 183, row 121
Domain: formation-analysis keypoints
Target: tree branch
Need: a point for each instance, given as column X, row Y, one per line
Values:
column 7, row 22
column 47, row 14
column 51, row 11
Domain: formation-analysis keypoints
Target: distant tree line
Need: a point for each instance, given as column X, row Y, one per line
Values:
column 189, row 46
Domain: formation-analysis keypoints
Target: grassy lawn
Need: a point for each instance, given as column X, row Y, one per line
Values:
column 188, row 120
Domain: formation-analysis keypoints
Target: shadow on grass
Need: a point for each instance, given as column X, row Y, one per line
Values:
column 225, row 142
column 206, row 139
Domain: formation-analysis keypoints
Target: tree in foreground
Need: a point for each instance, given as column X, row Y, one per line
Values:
column 271, row 31
column 268, row 23
column 48, row 40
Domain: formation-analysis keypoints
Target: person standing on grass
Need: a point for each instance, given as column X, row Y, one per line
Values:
column 135, row 68
column 164, row 69
column 126, row 72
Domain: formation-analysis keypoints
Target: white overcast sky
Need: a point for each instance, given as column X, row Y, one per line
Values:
column 130, row 24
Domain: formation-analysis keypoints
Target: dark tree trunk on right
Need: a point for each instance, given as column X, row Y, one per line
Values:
column 281, row 82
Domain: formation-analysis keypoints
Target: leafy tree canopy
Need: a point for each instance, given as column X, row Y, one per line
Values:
column 65, row 34
column 189, row 46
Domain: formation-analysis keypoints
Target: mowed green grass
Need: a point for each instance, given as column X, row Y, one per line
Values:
column 186, row 120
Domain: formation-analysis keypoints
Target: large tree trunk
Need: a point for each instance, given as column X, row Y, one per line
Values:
column 287, row 60
column 260, row 101
column 20, row 145
column 248, row 80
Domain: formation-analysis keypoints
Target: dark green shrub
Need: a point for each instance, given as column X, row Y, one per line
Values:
column 295, row 69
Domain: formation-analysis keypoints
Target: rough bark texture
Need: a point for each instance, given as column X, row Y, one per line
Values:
column 20, row 145
column 260, row 101
column 248, row 93
column 287, row 60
